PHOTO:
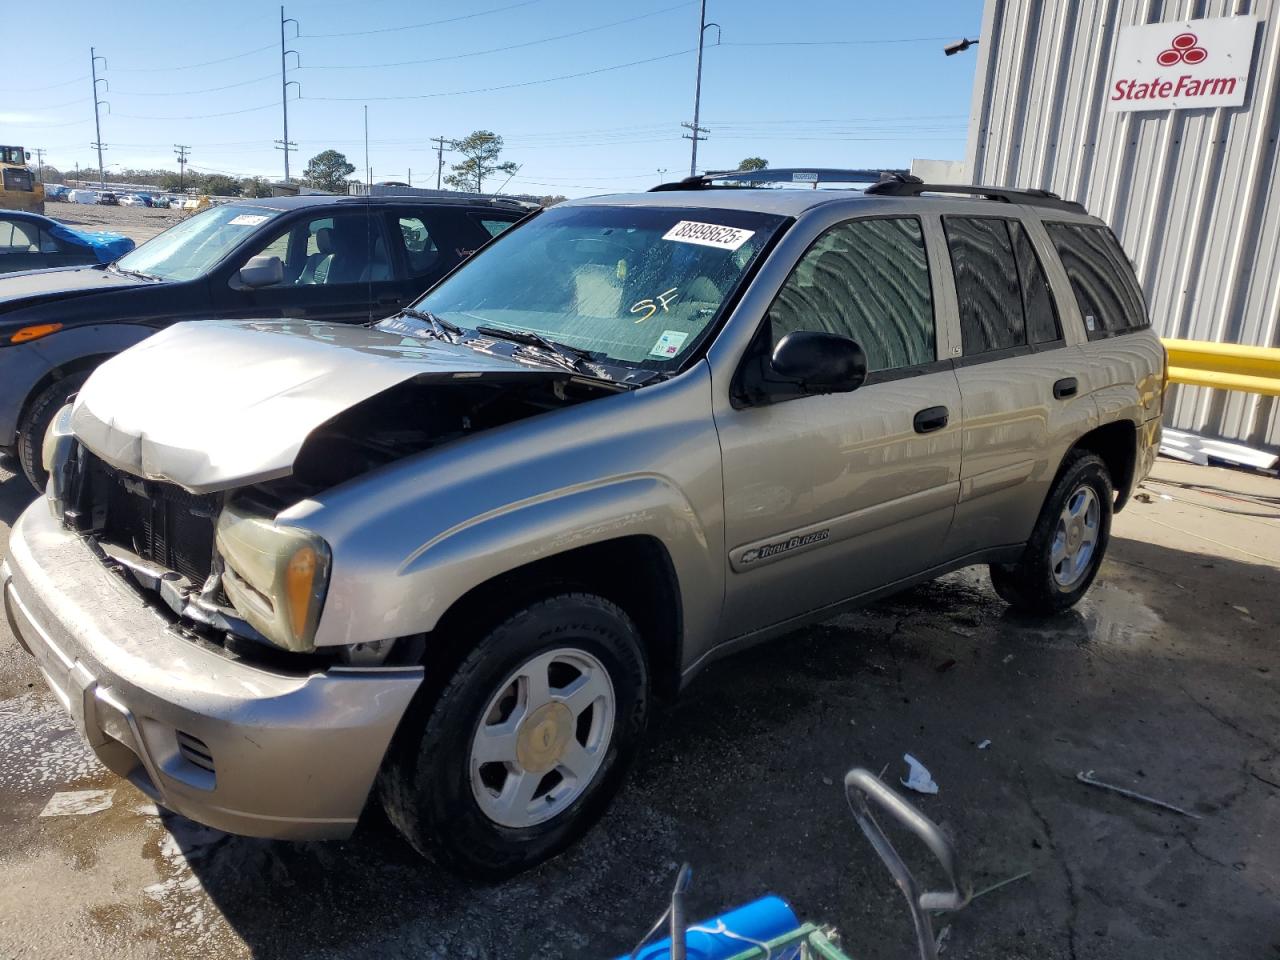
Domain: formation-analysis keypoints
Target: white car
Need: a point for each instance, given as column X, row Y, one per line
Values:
column 82, row 196
column 132, row 200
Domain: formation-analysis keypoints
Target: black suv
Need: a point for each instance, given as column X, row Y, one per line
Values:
column 345, row 259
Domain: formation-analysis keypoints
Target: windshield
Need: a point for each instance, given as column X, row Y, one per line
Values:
column 635, row 286
column 12, row 155
column 193, row 247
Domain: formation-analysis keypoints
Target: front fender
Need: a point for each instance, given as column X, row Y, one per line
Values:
column 408, row 542
column 24, row 366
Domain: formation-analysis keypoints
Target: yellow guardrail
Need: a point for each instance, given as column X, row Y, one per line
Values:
column 1226, row 366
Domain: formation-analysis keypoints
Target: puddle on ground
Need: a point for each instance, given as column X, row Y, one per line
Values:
column 40, row 748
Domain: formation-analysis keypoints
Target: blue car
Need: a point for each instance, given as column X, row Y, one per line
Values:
column 29, row 241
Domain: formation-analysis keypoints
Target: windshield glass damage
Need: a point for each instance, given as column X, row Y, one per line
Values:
column 630, row 286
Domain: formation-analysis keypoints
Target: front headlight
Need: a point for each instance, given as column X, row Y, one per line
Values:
column 275, row 576
column 56, row 450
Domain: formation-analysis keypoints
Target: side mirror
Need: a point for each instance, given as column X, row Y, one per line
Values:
column 819, row 362
column 260, row 272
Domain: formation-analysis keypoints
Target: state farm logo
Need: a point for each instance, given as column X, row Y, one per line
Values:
column 1185, row 48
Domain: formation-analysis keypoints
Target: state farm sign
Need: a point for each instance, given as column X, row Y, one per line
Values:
column 1177, row 66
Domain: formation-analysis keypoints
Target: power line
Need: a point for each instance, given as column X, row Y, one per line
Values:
column 833, row 43
column 416, row 26
column 193, row 66
column 512, row 86
column 55, row 106
column 188, row 93
column 513, row 46
column 51, row 86
column 202, row 116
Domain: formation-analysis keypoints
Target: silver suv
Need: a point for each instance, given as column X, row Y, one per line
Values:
column 451, row 559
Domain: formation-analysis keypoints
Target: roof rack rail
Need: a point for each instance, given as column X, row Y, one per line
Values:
column 908, row 186
column 796, row 176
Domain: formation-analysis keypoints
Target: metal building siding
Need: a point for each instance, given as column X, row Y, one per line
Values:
column 1192, row 194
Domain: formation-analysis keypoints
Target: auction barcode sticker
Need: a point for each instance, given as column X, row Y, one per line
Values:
column 708, row 235
column 248, row 220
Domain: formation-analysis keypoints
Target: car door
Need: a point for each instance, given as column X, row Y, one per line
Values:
column 1019, row 380
column 336, row 267
column 20, row 246
column 428, row 243
column 829, row 497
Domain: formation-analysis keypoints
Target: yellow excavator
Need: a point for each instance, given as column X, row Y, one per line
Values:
column 19, row 187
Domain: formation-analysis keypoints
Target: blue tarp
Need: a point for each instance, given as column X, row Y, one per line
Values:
column 105, row 246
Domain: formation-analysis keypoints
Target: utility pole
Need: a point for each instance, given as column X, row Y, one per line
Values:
column 286, row 144
column 695, row 131
column 182, row 152
column 662, row 175
column 440, row 142
column 40, row 164
column 368, row 170
column 97, row 123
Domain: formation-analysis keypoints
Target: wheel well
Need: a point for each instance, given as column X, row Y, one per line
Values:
column 634, row 572
column 1116, row 444
column 78, row 365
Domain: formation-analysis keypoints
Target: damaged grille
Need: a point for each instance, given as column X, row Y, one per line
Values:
column 160, row 522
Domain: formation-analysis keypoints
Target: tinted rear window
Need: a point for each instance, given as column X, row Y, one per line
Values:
column 1101, row 279
column 986, row 275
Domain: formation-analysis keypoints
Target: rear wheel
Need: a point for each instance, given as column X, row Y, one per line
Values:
column 526, row 745
column 36, row 420
column 1067, row 545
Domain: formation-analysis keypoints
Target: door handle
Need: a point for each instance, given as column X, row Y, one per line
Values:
column 930, row 419
column 387, row 298
column 1066, row 387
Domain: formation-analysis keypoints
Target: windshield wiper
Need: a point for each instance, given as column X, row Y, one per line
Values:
column 439, row 325
column 133, row 273
column 572, row 357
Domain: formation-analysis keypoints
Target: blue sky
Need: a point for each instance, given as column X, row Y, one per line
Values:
column 809, row 82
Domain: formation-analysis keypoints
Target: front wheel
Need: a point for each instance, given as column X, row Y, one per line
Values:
column 1066, row 547
column 528, row 742
column 35, row 422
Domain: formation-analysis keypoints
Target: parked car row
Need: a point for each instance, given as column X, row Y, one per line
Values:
column 63, row 194
column 446, row 549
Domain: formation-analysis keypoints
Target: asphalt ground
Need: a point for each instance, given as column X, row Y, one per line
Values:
column 1163, row 681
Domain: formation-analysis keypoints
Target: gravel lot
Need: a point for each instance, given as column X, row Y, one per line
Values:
column 1163, row 681
column 140, row 223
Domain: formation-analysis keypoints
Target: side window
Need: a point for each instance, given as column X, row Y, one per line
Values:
column 330, row 250
column 987, row 288
column 495, row 227
column 1101, row 279
column 420, row 247
column 867, row 280
column 1043, row 325
column 16, row 237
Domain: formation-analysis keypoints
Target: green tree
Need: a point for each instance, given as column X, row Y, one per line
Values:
column 220, row 185
column 328, row 170
column 753, row 163
column 254, row 187
column 480, row 153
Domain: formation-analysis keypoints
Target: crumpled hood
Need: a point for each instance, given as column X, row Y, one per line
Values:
column 216, row 404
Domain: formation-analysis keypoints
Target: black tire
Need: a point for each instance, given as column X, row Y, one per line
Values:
column 1030, row 585
column 35, row 422
column 425, row 783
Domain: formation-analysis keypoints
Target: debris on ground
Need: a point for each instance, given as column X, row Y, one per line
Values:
column 77, row 803
column 918, row 778
column 984, row 744
column 1087, row 777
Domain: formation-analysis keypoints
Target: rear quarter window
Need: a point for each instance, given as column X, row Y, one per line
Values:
column 1102, row 279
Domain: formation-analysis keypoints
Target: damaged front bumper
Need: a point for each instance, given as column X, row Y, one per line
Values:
column 232, row 745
